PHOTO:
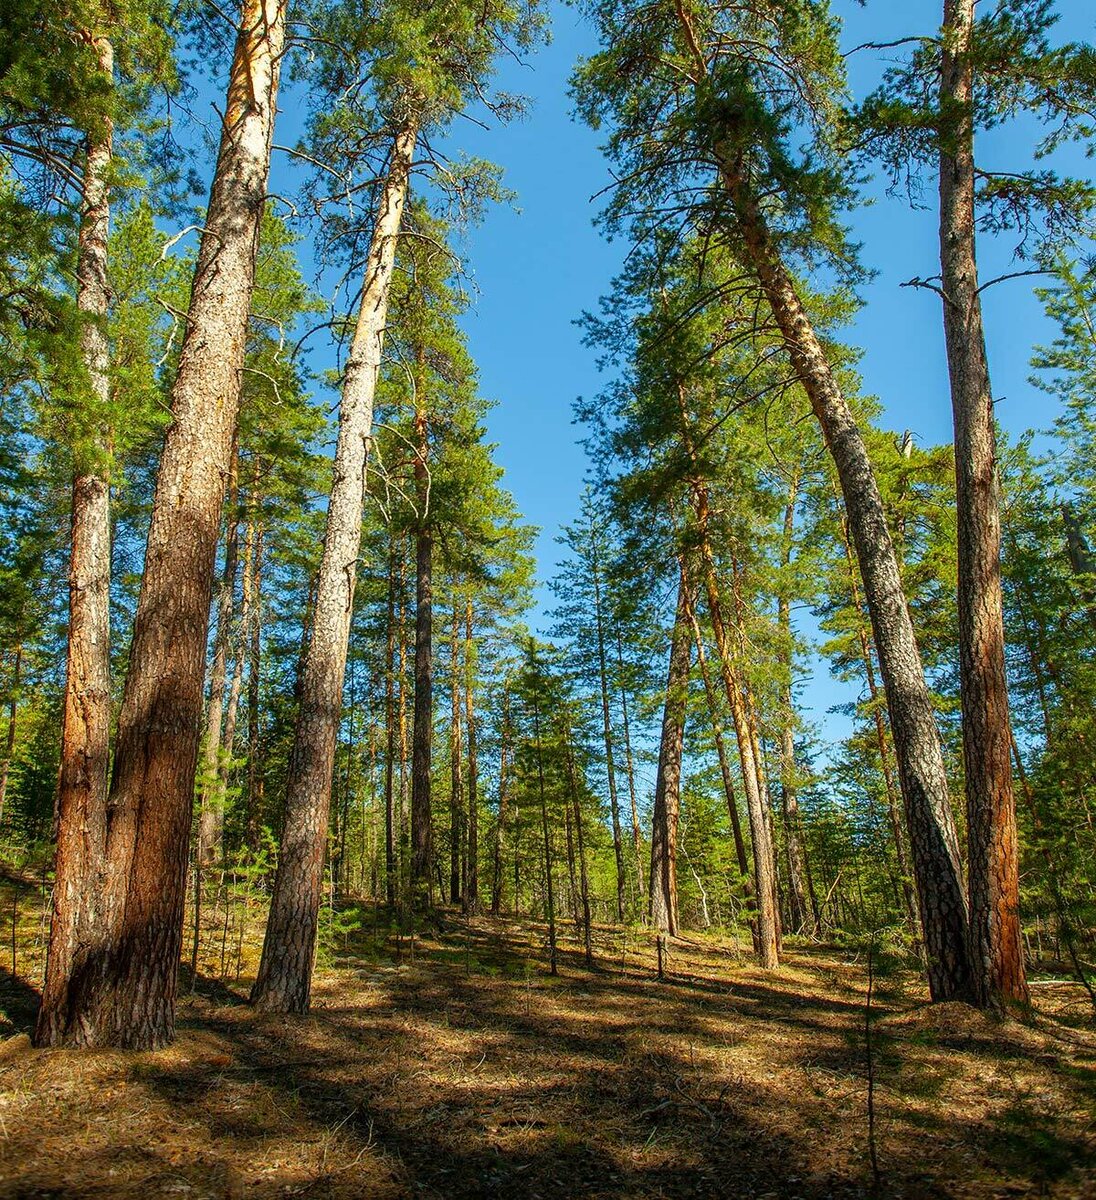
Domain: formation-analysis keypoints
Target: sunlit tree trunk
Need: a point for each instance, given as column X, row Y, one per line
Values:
column 85, row 728
column 284, row 980
column 996, row 947
column 120, row 987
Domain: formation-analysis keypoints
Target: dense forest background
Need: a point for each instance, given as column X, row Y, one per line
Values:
column 271, row 624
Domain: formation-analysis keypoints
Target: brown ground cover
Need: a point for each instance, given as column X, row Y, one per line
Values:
column 457, row 1067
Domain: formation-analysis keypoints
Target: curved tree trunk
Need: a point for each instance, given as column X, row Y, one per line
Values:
column 121, row 985
column 996, row 947
column 85, row 730
column 933, row 837
column 284, row 981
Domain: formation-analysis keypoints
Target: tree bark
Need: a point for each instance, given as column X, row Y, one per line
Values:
column 390, row 734
column 120, row 987
column 667, row 803
column 607, row 731
column 909, row 897
column 580, row 835
column 788, row 792
column 284, row 980
column 725, row 775
column 472, row 890
column 422, row 732
column 933, row 837
column 504, row 782
column 995, row 940
column 456, row 772
column 549, row 891
column 85, row 729
column 9, row 737
column 256, row 777
column 629, row 765
column 211, row 796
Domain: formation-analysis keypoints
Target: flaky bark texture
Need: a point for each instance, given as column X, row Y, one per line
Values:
column 122, row 985
column 284, row 981
column 667, row 803
column 85, row 731
column 933, row 838
column 996, row 949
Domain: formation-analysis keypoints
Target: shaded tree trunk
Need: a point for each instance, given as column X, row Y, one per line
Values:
column 456, row 772
column 667, row 803
column 121, row 985
column 995, row 940
column 504, row 784
column 284, row 980
column 929, row 817
column 256, row 778
column 390, row 734
column 9, row 736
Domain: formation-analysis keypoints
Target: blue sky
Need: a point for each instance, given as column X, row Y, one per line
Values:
column 537, row 269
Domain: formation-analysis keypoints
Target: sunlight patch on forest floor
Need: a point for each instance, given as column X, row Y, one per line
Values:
column 469, row 1072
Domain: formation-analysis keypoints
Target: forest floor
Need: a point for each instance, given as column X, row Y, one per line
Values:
column 459, row 1068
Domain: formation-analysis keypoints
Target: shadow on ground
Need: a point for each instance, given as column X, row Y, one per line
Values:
column 467, row 1072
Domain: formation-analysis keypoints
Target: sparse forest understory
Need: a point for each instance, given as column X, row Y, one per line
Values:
column 364, row 862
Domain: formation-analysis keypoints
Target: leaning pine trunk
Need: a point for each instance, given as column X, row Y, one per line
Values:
column 667, row 803
column 120, row 989
column 284, row 981
column 996, row 948
column 85, row 729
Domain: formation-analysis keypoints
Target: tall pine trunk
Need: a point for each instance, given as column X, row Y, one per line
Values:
column 85, row 729
column 472, row 888
column 9, row 736
column 284, row 981
column 931, row 824
column 996, row 947
column 607, row 734
column 211, row 797
column 788, row 792
column 121, row 984
column 504, row 788
column 456, row 771
column 422, row 731
column 390, row 871
column 667, row 802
